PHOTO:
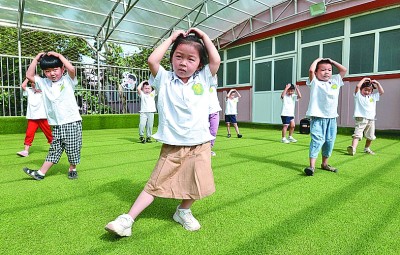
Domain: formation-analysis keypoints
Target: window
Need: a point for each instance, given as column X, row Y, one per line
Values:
column 376, row 20
column 285, row 43
column 308, row 55
column 238, row 65
column 283, row 73
column 362, row 54
column 324, row 32
column 262, row 81
column 231, row 73
column 263, row 48
column 244, row 71
column 389, row 51
column 238, row 52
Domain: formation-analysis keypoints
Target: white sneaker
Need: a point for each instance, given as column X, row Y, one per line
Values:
column 186, row 219
column 213, row 154
column 284, row 140
column 121, row 226
column 369, row 151
column 350, row 150
column 292, row 140
column 23, row 153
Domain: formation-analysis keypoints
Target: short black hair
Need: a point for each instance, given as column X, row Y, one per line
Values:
column 367, row 84
column 49, row 61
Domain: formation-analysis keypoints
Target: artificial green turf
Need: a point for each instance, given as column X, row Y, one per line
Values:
column 264, row 204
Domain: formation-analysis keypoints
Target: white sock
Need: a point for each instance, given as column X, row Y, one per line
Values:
column 72, row 169
column 40, row 173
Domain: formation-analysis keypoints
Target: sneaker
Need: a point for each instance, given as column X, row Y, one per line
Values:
column 292, row 140
column 72, row 175
column 213, row 154
column 142, row 140
column 23, row 153
column 329, row 168
column 229, row 136
column 309, row 171
column 186, row 219
column 33, row 173
column 240, row 136
column 369, row 151
column 148, row 140
column 284, row 140
column 350, row 150
column 121, row 226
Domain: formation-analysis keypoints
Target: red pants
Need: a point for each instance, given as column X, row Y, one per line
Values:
column 33, row 125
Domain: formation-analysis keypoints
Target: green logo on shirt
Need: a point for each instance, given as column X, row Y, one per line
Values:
column 371, row 100
column 334, row 86
column 198, row 89
column 62, row 87
column 211, row 90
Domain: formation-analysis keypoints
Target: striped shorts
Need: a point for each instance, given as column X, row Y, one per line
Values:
column 66, row 137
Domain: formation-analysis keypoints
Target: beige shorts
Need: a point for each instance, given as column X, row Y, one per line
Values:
column 182, row 172
column 366, row 127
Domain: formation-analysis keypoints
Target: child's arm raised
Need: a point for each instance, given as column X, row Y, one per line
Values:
column 30, row 73
column 213, row 56
column 229, row 93
column 157, row 55
column 24, row 84
column 139, row 88
column 237, row 92
column 312, row 70
column 342, row 69
column 285, row 90
column 358, row 86
column 70, row 68
column 380, row 88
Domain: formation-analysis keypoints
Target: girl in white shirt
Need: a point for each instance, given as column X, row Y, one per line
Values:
column 183, row 170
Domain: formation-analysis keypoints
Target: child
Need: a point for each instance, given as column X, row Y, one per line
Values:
column 147, row 110
column 36, row 116
column 62, row 111
column 289, row 97
column 183, row 170
column 364, row 113
column 231, row 111
column 213, row 118
column 322, row 109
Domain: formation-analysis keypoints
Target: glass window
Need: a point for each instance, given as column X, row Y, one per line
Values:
column 238, row 52
column 262, row 73
column 263, row 48
column 333, row 51
column 283, row 73
column 376, row 20
column 221, row 55
column 389, row 51
column 362, row 54
column 322, row 32
column 244, row 71
column 285, row 43
column 220, row 75
column 308, row 55
column 231, row 73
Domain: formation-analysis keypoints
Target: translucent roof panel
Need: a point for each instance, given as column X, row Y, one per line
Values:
column 143, row 23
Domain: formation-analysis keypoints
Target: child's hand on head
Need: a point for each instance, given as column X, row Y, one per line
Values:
column 196, row 31
column 176, row 33
column 52, row 53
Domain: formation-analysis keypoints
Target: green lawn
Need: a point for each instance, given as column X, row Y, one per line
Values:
column 264, row 204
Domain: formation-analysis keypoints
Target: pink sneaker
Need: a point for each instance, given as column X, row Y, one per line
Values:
column 23, row 153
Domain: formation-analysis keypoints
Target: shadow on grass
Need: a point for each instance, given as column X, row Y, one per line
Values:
column 283, row 231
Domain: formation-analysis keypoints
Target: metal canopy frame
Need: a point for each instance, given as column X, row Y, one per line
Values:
column 143, row 23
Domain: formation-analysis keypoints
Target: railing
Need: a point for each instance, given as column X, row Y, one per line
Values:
column 99, row 89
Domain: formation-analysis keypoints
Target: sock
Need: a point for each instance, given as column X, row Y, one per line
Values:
column 40, row 173
column 72, row 169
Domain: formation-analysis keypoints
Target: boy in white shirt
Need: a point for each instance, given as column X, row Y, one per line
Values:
column 289, row 99
column 36, row 116
column 322, row 109
column 147, row 109
column 231, row 111
column 61, row 109
column 364, row 113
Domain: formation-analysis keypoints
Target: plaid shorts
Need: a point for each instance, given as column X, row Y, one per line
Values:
column 66, row 137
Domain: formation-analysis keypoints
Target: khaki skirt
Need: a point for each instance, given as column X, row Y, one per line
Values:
column 182, row 172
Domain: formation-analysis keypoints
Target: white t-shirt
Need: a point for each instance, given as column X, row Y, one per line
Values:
column 324, row 97
column 231, row 106
column 288, row 105
column 183, row 109
column 214, row 102
column 365, row 106
column 59, row 99
column 147, row 102
column 35, row 107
